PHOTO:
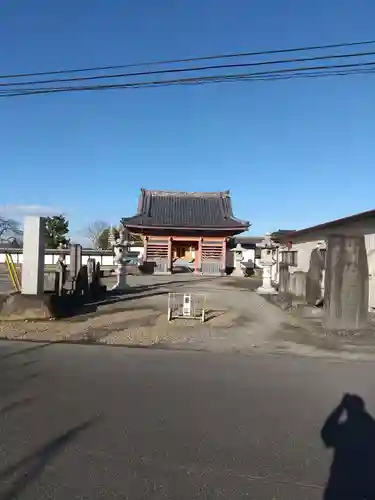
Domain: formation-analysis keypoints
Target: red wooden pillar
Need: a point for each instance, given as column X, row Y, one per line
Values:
column 145, row 244
column 169, row 264
column 224, row 257
column 198, row 257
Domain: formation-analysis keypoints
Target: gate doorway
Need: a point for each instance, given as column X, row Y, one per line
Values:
column 184, row 256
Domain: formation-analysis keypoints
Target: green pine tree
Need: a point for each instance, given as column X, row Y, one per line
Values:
column 56, row 231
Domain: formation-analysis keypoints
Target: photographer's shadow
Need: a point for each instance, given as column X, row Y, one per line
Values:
column 350, row 431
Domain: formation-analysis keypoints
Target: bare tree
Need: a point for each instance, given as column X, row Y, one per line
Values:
column 10, row 231
column 94, row 233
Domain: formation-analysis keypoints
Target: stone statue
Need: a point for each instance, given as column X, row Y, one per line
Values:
column 266, row 262
column 120, row 247
column 238, row 258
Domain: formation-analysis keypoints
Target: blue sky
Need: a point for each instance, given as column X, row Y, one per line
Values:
column 293, row 153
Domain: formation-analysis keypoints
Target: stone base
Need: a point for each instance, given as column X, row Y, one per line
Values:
column 237, row 273
column 309, row 312
column 121, row 283
column 18, row 306
column 282, row 300
column 97, row 291
column 120, row 287
column 147, row 268
column 266, row 291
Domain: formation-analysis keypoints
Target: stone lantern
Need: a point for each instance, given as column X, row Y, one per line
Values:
column 120, row 247
column 266, row 262
column 237, row 258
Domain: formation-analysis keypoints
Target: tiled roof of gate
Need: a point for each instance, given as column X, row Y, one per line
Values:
column 185, row 210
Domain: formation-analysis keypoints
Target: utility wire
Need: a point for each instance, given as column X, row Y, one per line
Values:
column 285, row 73
column 191, row 59
column 195, row 69
column 218, row 79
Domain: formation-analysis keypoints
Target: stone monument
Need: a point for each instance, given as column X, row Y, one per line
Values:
column 32, row 302
column 238, row 257
column 60, row 275
column 266, row 262
column 346, row 284
column 120, row 247
column 91, row 267
column 33, row 256
column 284, row 278
column 75, row 261
column 315, row 275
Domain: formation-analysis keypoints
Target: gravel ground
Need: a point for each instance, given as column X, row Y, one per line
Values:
column 236, row 318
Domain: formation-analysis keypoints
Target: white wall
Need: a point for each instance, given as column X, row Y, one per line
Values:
column 305, row 248
column 303, row 255
column 370, row 247
column 370, row 242
column 50, row 258
column 248, row 256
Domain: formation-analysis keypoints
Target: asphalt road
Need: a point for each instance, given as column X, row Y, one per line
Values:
column 90, row 422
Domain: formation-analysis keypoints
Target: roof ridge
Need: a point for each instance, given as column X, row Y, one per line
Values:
column 217, row 194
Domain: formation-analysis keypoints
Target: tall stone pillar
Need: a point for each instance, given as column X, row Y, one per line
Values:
column 75, row 260
column 33, row 256
column 346, row 287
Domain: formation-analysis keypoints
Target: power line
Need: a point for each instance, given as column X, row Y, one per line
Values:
column 195, row 69
column 285, row 73
column 192, row 59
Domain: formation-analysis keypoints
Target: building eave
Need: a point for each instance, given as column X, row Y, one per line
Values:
column 187, row 228
column 249, row 240
column 362, row 223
